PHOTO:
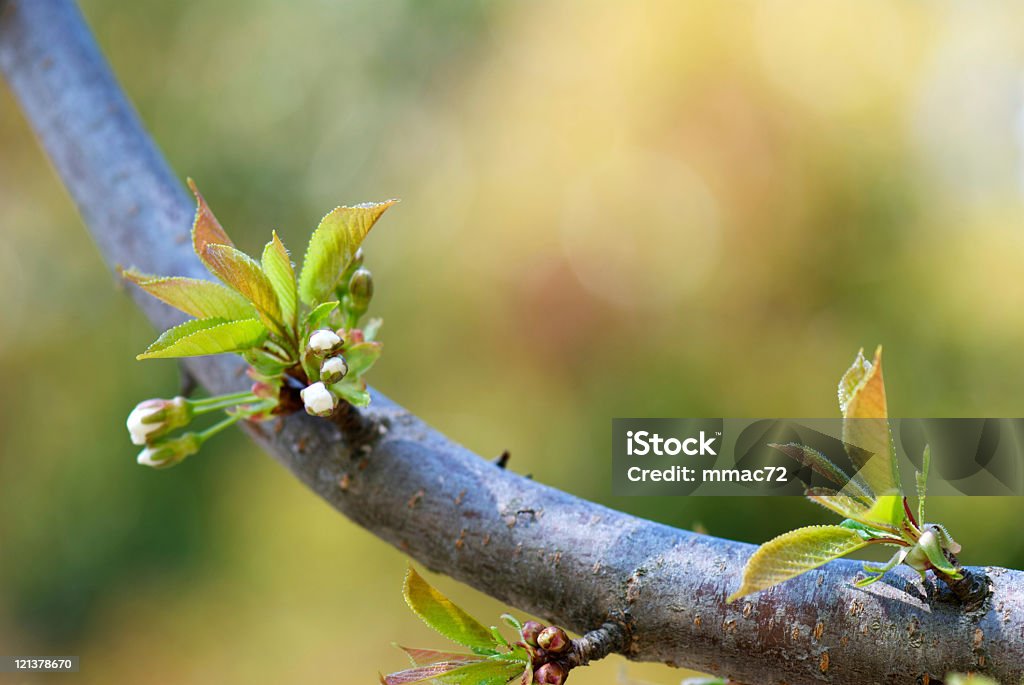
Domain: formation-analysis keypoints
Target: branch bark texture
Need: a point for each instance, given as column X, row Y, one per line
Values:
column 570, row 561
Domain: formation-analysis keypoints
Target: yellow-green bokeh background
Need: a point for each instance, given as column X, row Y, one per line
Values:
column 609, row 209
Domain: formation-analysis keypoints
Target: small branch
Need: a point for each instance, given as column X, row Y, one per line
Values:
column 972, row 589
column 501, row 461
column 597, row 644
column 574, row 562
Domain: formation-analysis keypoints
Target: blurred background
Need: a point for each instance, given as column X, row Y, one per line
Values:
column 609, row 209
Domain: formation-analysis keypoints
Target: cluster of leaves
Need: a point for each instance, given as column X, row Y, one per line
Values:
column 287, row 326
column 491, row 659
column 872, row 501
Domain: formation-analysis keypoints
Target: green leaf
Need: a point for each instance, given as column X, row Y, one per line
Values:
column 853, row 377
column 425, row 657
column 428, row 672
column 361, row 356
column 875, row 573
column 490, row 672
column 206, row 336
column 487, row 672
column 819, row 463
column 194, row 296
column 277, row 265
column 931, row 544
column 352, row 391
column 866, row 430
column 206, row 230
column 887, row 510
column 794, row 553
column 945, row 539
column 499, row 639
column 922, row 483
column 332, row 247
column 438, row 612
column 512, row 622
column 241, row 272
column 266, row 364
column 846, row 507
column 869, row 532
column 320, row 315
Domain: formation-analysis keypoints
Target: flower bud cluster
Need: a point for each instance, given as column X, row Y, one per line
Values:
column 324, row 346
column 149, row 424
column 548, row 645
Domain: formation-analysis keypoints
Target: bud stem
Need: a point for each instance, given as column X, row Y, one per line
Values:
column 218, row 402
column 208, row 433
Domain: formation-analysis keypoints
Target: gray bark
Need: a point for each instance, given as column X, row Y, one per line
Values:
column 538, row 549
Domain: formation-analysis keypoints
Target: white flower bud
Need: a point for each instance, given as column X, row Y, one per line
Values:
column 318, row 400
column 145, row 419
column 169, row 452
column 149, row 456
column 333, row 369
column 152, row 418
column 324, row 341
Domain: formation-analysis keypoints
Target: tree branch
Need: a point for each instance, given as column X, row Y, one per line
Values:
column 570, row 561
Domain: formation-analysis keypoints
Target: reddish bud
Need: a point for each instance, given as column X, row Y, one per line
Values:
column 264, row 391
column 550, row 674
column 553, row 639
column 531, row 629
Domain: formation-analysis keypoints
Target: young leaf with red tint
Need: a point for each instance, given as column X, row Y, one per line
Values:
column 206, row 230
column 200, row 337
column 332, row 247
column 865, row 424
column 424, row 657
column 194, row 296
column 240, row 272
column 428, row 672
